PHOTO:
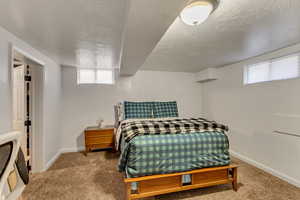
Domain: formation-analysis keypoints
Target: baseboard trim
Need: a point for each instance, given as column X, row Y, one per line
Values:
column 263, row 167
column 52, row 160
column 61, row 151
column 73, row 149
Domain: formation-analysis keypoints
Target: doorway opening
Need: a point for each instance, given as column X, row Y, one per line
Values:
column 27, row 92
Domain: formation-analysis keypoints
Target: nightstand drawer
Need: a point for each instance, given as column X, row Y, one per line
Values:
column 99, row 133
column 100, row 139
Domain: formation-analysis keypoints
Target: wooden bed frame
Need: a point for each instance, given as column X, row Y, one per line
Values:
column 167, row 183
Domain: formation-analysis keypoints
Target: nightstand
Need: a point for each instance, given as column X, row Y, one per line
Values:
column 99, row 138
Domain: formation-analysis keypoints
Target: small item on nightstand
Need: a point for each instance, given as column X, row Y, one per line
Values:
column 100, row 123
column 99, row 138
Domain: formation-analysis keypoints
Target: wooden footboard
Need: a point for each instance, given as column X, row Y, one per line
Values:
column 166, row 183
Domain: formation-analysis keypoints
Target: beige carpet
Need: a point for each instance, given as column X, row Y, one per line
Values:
column 76, row 177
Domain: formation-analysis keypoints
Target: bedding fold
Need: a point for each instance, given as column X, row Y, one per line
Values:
column 132, row 129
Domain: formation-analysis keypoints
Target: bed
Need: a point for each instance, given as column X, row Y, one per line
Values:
column 162, row 153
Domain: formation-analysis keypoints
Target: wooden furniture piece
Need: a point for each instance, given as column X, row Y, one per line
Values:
column 99, row 138
column 167, row 183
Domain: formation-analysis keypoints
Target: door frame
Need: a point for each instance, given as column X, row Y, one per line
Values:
column 37, row 128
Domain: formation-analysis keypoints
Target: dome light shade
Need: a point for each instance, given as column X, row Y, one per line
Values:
column 196, row 12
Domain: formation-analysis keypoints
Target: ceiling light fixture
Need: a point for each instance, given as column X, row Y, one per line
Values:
column 196, row 12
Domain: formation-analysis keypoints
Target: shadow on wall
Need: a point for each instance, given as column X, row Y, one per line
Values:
column 80, row 141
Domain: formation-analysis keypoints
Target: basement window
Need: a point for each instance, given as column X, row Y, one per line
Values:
column 95, row 76
column 275, row 69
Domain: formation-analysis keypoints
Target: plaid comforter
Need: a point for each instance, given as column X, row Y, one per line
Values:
column 170, row 126
column 162, row 152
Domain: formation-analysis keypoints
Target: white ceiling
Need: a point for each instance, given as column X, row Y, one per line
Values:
column 147, row 21
column 127, row 31
column 59, row 28
column 237, row 30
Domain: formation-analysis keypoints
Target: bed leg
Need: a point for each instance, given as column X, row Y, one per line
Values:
column 128, row 191
column 234, row 176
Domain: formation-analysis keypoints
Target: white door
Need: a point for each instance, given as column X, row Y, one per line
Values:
column 19, row 105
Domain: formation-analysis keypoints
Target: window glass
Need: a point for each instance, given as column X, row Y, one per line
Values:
column 275, row 69
column 258, row 73
column 95, row 76
column 105, row 76
column 285, row 68
column 86, row 76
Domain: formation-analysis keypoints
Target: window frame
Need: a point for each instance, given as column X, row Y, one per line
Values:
column 269, row 61
column 95, row 80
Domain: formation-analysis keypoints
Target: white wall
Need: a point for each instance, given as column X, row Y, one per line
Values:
column 52, row 92
column 83, row 105
column 253, row 112
column 5, row 92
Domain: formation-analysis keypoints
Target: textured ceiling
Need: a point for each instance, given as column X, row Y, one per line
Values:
column 120, row 32
column 59, row 28
column 237, row 30
column 126, row 32
column 147, row 21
